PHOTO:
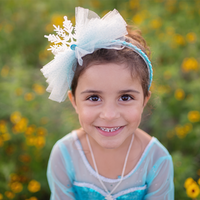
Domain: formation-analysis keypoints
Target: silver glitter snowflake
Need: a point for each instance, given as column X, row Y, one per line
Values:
column 62, row 40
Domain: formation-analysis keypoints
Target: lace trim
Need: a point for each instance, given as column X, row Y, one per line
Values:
column 123, row 192
column 92, row 186
column 93, row 172
column 102, row 192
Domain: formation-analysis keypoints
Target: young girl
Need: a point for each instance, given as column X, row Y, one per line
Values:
column 108, row 75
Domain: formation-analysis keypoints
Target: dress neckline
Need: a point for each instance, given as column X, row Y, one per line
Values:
column 92, row 171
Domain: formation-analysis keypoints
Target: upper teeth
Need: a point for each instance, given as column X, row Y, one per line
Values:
column 109, row 129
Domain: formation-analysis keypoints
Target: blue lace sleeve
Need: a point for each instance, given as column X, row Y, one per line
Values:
column 160, row 180
column 60, row 173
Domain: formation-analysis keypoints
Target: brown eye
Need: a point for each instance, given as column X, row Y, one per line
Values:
column 125, row 97
column 94, row 98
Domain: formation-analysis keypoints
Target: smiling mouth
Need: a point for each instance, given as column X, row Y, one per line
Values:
column 109, row 129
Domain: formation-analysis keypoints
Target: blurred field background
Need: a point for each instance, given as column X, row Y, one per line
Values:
column 30, row 123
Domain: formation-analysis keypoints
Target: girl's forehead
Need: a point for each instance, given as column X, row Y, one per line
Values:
column 112, row 69
column 109, row 75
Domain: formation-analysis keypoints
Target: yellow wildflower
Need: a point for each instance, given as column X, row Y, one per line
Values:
column 15, row 129
column 29, row 96
column 23, row 121
column 33, row 198
column 156, row 23
column 170, row 5
column 181, row 131
column 5, row 71
column 23, row 179
column 179, row 94
column 14, row 177
column 198, row 181
column 24, row 158
column 134, row 4
column 190, row 64
column 193, row 190
column 34, row 186
column 40, row 141
column 21, row 126
column 138, row 18
column 9, row 194
column 6, row 136
column 188, row 182
column 41, row 131
column 170, row 2
column 191, row 37
column 187, row 127
column 30, row 130
column 15, row 117
column 39, row 89
column 96, row 4
column 194, row 116
column 1, row 196
column 179, row 39
column 3, row 128
column 30, row 141
column 57, row 20
column 16, row 187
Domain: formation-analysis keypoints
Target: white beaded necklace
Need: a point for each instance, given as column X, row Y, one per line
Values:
column 109, row 196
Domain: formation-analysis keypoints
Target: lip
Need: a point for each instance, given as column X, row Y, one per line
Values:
column 109, row 134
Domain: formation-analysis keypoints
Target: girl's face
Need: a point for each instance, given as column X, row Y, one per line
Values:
column 109, row 103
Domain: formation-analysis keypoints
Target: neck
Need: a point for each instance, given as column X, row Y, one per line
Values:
column 110, row 151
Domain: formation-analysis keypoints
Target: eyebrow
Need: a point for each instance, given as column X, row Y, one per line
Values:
column 120, row 92
column 129, row 91
column 91, row 91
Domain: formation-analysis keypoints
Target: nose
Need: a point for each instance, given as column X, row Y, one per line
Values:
column 109, row 112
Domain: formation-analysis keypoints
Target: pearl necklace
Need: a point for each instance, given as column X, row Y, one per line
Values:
column 109, row 196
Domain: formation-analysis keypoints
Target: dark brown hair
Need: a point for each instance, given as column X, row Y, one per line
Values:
column 126, row 56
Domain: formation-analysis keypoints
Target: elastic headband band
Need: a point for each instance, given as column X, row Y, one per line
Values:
column 142, row 55
column 90, row 34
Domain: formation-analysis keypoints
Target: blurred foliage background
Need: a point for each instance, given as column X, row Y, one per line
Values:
column 30, row 123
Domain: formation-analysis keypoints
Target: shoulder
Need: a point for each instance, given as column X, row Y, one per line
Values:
column 64, row 144
column 151, row 144
column 65, row 151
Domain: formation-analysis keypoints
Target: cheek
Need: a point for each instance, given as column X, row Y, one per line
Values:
column 135, row 115
column 86, row 116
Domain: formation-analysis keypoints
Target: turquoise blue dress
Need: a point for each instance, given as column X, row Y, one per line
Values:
column 70, row 175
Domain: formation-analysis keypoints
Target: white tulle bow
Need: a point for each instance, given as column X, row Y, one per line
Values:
column 90, row 33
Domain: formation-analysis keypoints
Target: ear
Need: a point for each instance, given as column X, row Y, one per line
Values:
column 72, row 100
column 147, row 99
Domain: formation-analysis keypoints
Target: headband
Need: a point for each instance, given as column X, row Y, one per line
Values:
column 90, row 33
